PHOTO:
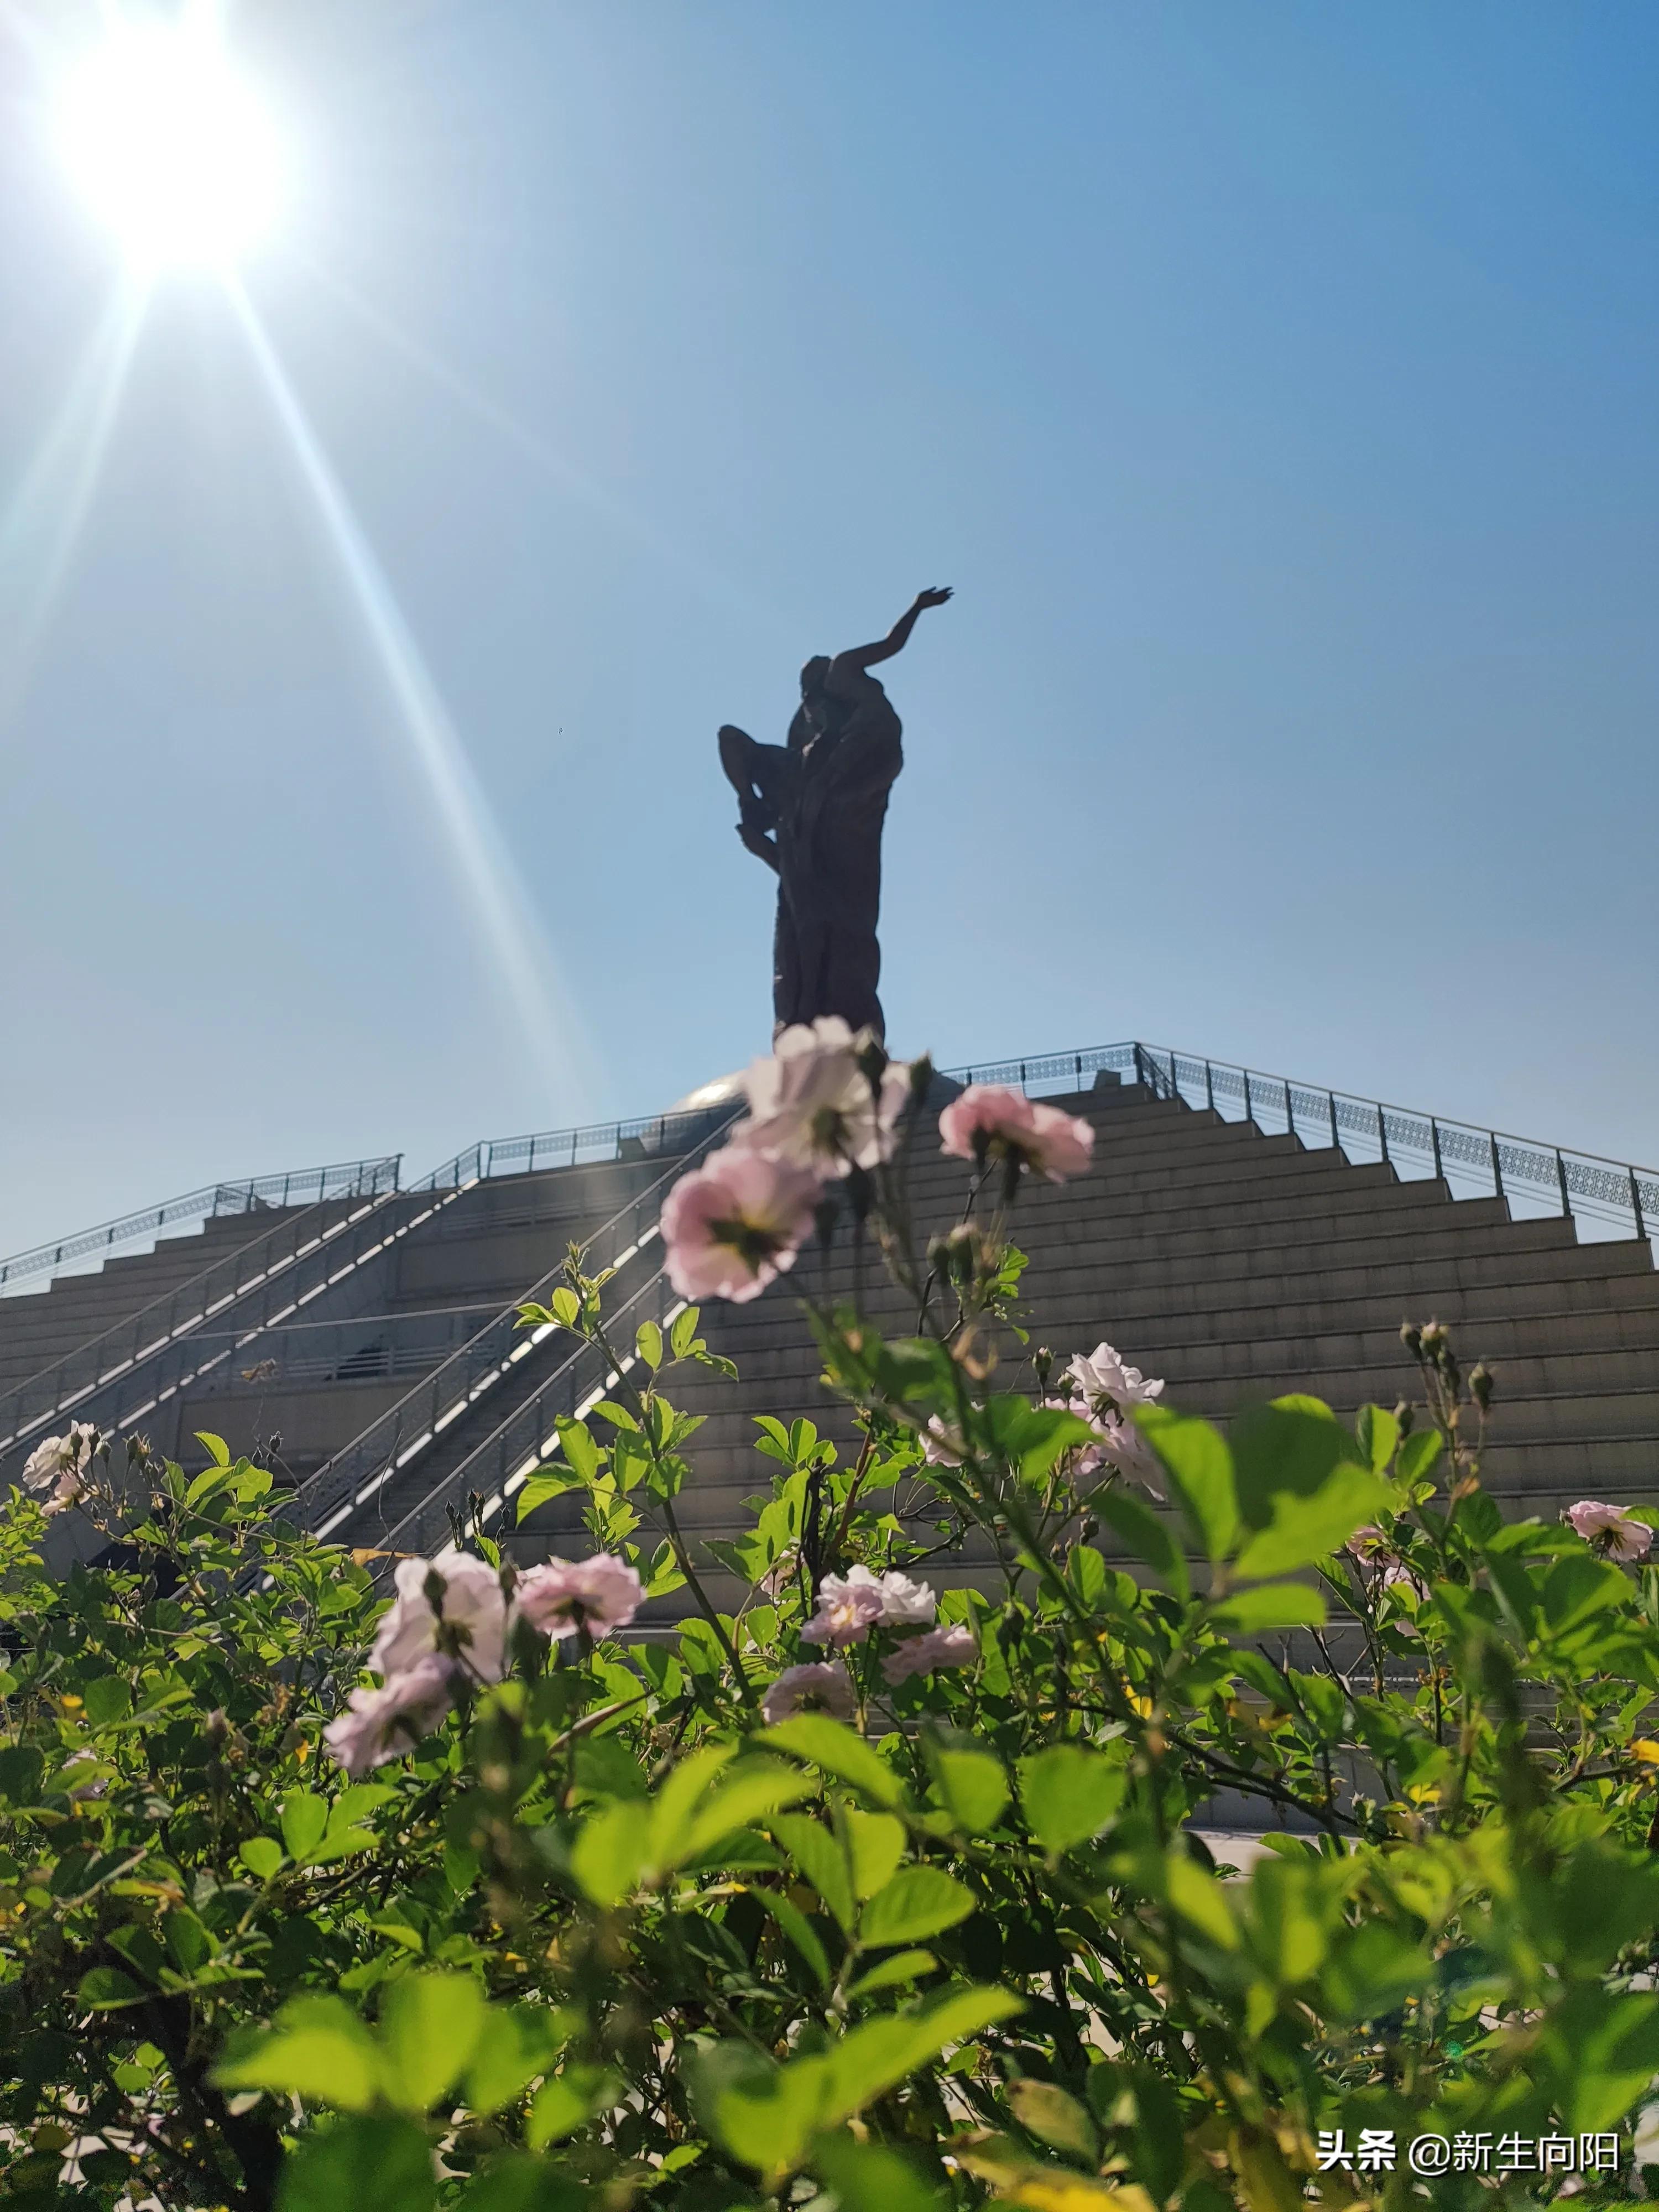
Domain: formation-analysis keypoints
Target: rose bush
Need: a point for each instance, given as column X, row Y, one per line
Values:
column 878, row 1886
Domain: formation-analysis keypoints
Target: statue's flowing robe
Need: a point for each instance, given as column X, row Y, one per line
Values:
column 829, row 792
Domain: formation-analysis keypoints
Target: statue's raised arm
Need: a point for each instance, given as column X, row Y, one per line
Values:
column 858, row 659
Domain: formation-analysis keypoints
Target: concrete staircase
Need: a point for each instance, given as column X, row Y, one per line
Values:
column 442, row 1284
column 1236, row 1265
column 1240, row 1266
column 40, row 1328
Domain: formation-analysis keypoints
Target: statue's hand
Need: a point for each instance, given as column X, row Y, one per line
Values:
column 934, row 596
column 755, row 839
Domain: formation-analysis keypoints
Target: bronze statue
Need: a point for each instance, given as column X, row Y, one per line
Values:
column 813, row 810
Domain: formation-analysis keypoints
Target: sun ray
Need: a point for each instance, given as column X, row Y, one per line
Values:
column 515, row 946
column 41, row 523
column 719, row 588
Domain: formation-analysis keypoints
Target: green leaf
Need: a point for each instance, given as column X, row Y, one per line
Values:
column 919, row 1901
column 1309, row 1527
column 576, row 1442
column 1373, row 1971
column 828, row 1744
column 430, row 2025
column 679, row 1799
column 514, row 2045
column 871, row 2178
column 1197, row 1897
column 1376, row 1432
column 565, row 1306
column 618, row 1416
column 1577, row 1586
column 1145, row 1535
column 381, row 2161
column 1291, row 1445
column 261, row 1856
column 316, row 2048
column 20, row 1767
column 749, row 1792
column 1274, row 1605
column 768, row 2118
column 1055, row 2118
column 876, row 1843
column 611, row 1851
column 536, row 1490
column 972, row 1788
column 568, row 2101
column 105, row 1989
column 1200, row 1466
column 1032, row 1437
column 107, row 1700
column 189, row 1945
column 305, row 1818
column 216, row 1447
column 821, row 1858
column 893, row 1972
column 799, row 1929
column 1606, row 2052
column 1418, row 1454
column 647, row 1342
column 1069, row 1794
column 518, row 2181
column 683, row 1334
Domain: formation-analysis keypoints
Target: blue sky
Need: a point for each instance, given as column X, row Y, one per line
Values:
column 1274, row 384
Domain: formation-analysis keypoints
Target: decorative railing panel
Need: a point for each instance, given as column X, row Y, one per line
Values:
column 1472, row 1161
column 628, row 1242
column 298, row 1187
column 122, row 1374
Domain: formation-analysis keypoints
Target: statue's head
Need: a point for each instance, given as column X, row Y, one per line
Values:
column 812, row 676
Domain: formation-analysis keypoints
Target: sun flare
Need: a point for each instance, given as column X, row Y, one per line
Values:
column 170, row 148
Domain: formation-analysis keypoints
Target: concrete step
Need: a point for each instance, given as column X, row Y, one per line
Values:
column 1149, row 1273
column 1521, row 1353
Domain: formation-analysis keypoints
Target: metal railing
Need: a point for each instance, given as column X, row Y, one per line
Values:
column 124, row 1373
column 627, row 1243
column 1472, row 1162
column 593, row 1143
column 370, row 1347
column 496, row 1467
column 298, row 1187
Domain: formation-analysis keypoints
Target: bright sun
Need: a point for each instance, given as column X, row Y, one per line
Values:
column 170, row 148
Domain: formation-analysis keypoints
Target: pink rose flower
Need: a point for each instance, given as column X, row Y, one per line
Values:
column 62, row 1465
column 904, row 1603
column 1610, row 1529
column 381, row 1724
column 849, row 1607
column 822, row 1688
column 1123, row 1446
column 1118, row 1443
column 1369, row 1543
column 810, row 1103
column 988, row 1123
column 467, row 1622
column 562, row 1596
column 940, row 1448
column 1102, row 1383
column 851, row 1604
column 781, row 1572
column 920, row 1654
column 733, row 1225
column 1396, row 1575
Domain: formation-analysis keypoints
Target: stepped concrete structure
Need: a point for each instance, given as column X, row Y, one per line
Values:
column 1237, row 1262
column 1239, row 1267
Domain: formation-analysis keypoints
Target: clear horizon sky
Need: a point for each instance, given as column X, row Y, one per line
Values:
column 1275, row 385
